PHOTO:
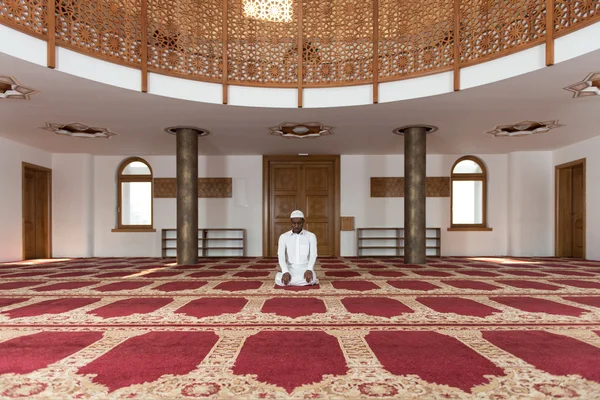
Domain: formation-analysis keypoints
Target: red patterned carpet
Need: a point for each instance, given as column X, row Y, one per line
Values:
column 487, row 328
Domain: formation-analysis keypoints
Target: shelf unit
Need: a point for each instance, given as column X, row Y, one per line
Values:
column 215, row 242
column 389, row 242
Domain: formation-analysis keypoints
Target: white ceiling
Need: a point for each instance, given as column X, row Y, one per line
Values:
column 139, row 119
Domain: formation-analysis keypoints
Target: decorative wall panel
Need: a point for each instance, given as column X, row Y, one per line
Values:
column 207, row 187
column 570, row 13
column 491, row 28
column 26, row 15
column 108, row 29
column 347, row 223
column 415, row 37
column 185, row 38
column 261, row 52
column 337, row 41
column 437, row 186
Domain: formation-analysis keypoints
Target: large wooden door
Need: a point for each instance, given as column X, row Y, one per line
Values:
column 578, row 212
column 309, row 184
column 36, row 212
column 570, row 209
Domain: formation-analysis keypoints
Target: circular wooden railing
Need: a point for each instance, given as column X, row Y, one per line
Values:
column 327, row 43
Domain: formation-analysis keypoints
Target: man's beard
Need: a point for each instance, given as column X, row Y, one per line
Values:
column 297, row 230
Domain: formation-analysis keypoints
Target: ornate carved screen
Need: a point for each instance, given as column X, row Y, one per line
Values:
column 493, row 28
column 415, row 37
column 337, row 42
column 185, row 38
column 261, row 53
column 111, row 30
column 28, row 16
column 570, row 14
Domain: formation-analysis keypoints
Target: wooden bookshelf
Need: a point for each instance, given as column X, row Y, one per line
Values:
column 214, row 242
column 389, row 242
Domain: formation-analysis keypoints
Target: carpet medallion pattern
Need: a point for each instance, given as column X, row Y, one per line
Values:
column 145, row 328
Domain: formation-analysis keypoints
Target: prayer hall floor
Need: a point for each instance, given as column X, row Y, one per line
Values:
column 145, row 328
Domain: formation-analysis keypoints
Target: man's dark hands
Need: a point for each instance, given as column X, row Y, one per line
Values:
column 308, row 275
column 286, row 278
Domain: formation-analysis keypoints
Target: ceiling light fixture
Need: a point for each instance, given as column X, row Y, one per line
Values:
column 78, row 130
column 590, row 86
column 301, row 130
column 268, row 10
column 11, row 89
column 524, row 128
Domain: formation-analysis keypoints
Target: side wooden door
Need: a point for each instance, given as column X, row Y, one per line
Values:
column 36, row 210
column 570, row 209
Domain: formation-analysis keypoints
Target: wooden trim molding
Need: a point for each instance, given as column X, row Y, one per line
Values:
column 225, row 50
column 456, row 34
column 436, row 186
column 300, row 46
column 208, row 188
column 132, row 230
column 375, row 51
column 549, row 32
column 469, row 228
column 144, row 49
column 51, row 50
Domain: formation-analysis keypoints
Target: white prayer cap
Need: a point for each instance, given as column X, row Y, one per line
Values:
column 297, row 214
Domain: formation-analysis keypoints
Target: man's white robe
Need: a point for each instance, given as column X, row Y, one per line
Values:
column 297, row 253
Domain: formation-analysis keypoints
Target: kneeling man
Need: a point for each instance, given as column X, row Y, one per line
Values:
column 297, row 254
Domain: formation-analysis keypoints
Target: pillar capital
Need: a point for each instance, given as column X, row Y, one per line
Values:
column 404, row 129
column 174, row 130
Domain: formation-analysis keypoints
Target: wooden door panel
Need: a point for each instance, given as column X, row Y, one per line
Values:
column 318, row 177
column 285, row 178
column 321, row 230
column 285, row 191
column 565, row 248
column 29, row 234
column 41, row 214
column 284, row 205
column 317, row 206
column 578, row 212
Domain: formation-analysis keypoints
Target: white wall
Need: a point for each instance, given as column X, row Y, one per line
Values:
column 12, row 155
column 73, row 202
column 590, row 150
column 530, row 204
column 357, row 171
column 243, row 210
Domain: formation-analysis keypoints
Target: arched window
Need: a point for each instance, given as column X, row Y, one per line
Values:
column 134, row 187
column 468, row 204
